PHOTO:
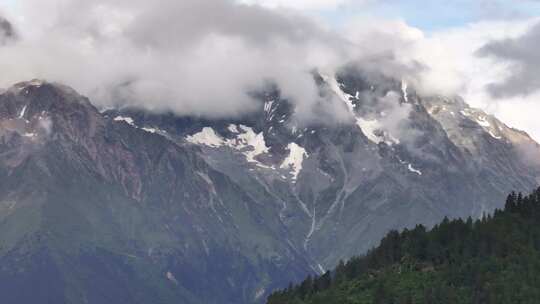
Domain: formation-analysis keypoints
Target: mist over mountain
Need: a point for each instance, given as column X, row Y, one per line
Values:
column 161, row 56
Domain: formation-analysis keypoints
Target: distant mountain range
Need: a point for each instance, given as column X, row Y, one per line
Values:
column 128, row 206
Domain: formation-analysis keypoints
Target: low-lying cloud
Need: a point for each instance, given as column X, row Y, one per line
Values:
column 205, row 57
column 200, row 57
column 190, row 57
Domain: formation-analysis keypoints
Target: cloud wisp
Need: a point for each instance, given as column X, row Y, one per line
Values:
column 522, row 55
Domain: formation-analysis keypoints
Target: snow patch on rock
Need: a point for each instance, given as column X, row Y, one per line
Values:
column 246, row 141
column 494, row 135
column 413, row 170
column 206, row 137
column 295, row 159
column 404, row 90
column 482, row 121
column 410, row 166
column 252, row 142
column 321, row 268
column 259, row 293
column 233, row 128
column 171, row 277
column 150, row 130
column 336, row 88
column 30, row 134
column 23, row 111
column 131, row 122
column 372, row 128
column 369, row 127
column 125, row 119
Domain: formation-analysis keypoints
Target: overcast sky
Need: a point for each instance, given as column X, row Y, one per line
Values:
column 201, row 56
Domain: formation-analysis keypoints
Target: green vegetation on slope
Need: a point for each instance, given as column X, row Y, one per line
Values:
column 492, row 260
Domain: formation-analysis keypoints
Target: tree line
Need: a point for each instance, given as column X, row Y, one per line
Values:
column 495, row 259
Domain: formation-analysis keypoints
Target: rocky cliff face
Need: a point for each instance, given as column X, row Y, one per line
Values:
column 132, row 207
column 95, row 210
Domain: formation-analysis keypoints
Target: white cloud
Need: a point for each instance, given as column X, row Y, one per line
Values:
column 300, row 4
column 191, row 56
column 202, row 56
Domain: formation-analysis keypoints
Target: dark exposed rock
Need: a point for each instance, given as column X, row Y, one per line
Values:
column 7, row 32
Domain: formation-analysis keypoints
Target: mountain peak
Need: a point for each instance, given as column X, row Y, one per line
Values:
column 42, row 86
column 36, row 104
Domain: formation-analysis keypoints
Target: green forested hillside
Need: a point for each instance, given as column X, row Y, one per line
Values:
column 492, row 260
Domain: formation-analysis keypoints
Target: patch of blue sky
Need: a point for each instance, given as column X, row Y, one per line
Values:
column 433, row 15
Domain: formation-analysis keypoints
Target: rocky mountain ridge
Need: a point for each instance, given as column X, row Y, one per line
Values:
column 129, row 206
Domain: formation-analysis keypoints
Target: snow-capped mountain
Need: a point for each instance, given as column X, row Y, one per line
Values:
column 127, row 206
column 403, row 159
